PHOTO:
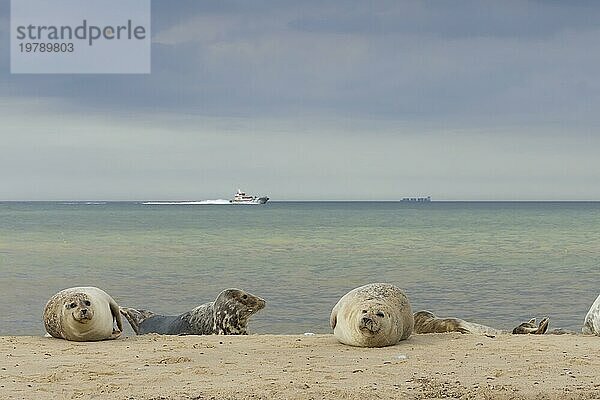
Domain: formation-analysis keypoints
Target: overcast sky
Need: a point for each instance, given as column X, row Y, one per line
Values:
column 461, row 100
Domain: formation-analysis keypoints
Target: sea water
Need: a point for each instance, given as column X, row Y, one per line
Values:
column 492, row 263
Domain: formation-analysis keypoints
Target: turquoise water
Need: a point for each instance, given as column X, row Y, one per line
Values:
column 493, row 263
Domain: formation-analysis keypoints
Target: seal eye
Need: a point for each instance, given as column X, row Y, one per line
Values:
column 380, row 314
column 245, row 297
column 72, row 305
column 364, row 311
column 87, row 303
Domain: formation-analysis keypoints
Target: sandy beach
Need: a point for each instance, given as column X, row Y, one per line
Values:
column 301, row 367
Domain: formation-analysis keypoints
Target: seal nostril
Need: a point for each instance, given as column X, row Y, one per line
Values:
column 366, row 320
column 84, row 311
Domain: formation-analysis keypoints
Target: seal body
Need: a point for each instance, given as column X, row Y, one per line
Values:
column 374, row 315
column 591, row 324
column 82, row 314
column 428, row 322
column 227, row 315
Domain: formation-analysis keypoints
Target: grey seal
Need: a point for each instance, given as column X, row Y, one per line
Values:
column 591, row 324
column 428, row 322
column 373, row 315
column 82, row 314
column 227, row 315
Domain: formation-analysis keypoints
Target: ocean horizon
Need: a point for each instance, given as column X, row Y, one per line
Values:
column 301, row 201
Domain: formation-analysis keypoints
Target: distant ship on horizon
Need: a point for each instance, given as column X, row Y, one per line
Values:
column 243, row 198
column 239, row 198
column 416, row 199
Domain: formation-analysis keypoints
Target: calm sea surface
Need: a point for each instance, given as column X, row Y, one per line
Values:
column 493, row 263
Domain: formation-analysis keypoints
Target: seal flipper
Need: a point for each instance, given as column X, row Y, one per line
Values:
column 333, row 318
column 543, row 327
column 136, row 317
column 530, row 327
column 116, row 313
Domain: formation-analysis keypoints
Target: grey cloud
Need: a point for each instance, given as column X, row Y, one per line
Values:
column 427, row 61
column 452, row 19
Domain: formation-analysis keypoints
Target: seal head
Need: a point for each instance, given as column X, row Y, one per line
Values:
column 80, row 308
column 231, row 311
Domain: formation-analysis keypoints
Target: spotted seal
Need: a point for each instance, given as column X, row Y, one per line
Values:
column 591, row 324
column 82, row 314
column 428, row 322
column 373, row 315
column 227, row 315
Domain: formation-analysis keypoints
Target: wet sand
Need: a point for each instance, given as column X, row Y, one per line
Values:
column 154, row 367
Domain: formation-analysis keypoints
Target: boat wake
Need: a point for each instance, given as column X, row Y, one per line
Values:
column 85, row 203
column 187, row 203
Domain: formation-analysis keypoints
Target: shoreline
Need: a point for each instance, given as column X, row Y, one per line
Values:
column 447, row 365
